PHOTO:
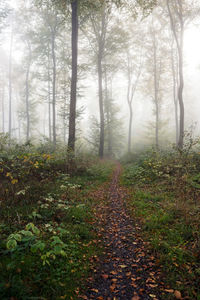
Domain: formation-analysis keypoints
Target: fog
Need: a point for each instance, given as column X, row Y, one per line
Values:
column 138, row 53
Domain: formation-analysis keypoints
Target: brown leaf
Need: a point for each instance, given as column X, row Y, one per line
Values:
column 177, row 294
column 135, row 298
column 112, row 287
column 169, row 291
column 122, row 266
column 95, row 290
column 133, row 279
column 105, row 276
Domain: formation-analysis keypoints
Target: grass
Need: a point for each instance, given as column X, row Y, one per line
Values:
column 47, row 237
column 170, row 223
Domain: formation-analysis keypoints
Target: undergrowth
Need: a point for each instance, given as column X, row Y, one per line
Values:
column 164, row 197
column 47, row 237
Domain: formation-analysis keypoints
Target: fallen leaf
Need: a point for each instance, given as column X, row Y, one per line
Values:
column 113, row 272
column 112, row 287
column 122, row 266
column 135, row 298
column 177, row 294
column 105, row 276
column 95, row 290
column 169, row 291
column 133, row 279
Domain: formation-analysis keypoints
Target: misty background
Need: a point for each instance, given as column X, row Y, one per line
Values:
column 28, row 63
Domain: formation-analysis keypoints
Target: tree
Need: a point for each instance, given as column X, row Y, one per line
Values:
column 133, row 68
column 10, row 77
column 158, row 70
column 178, row 26
column 174, row 68
column 73, row 94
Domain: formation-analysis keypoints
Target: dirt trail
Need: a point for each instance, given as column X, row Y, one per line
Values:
column 126, row 271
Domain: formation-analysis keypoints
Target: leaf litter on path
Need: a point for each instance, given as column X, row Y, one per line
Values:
column 126, row 271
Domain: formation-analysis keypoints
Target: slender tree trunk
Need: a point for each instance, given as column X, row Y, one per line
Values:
column 54, row 87
column 131, row 89
column 175, row 95
column 27, row 94
column 49, row 96
column 180, row 96
column 129, row 105
column 130, row 127
column 179, row 38
column 65, row 110
column 3, row 109
column 44, row 123
column 10, row 85
column 73, row 95
column 101, row 106
column 156, row 93
column 108, row 114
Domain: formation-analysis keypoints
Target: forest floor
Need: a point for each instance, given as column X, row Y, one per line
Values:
column 126, row 270
column 107, row 233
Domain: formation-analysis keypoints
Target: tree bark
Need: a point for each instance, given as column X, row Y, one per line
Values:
column 10, row 85
column 53, row 87
column 27, row 93
column 3, row 108
column 179, row 43
column 49, row 96
column 108, row 114
column 130, row 127
column 175, row 75
column 131, row 89
column 156, row 93
column 101, row 106
column 73, row 95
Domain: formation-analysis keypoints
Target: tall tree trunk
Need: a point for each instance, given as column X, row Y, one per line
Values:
column 180, row 95
column 131, row 89
column 49, row 96
column 10, row 84
column 27, row 94
column 130, row 127
column 101, row 106
column 3, row 108
column 73, row 95
column 65, row 109
column 175, row 75
column 179, row 42
column 54, row 87
column 156, row 93
column 129, row 104
column 108, row 114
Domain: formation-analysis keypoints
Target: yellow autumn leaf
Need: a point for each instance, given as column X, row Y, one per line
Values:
column 14, row 181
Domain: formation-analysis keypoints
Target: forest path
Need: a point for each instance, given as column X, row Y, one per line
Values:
column 126, row 270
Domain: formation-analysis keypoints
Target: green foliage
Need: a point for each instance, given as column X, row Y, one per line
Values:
column 165, row 199
column 46, row 236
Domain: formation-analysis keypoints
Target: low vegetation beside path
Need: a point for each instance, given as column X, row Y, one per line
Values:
column 46, row 223
column 164, row 198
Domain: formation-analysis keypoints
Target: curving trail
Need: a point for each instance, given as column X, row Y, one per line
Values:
column 126, row 271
